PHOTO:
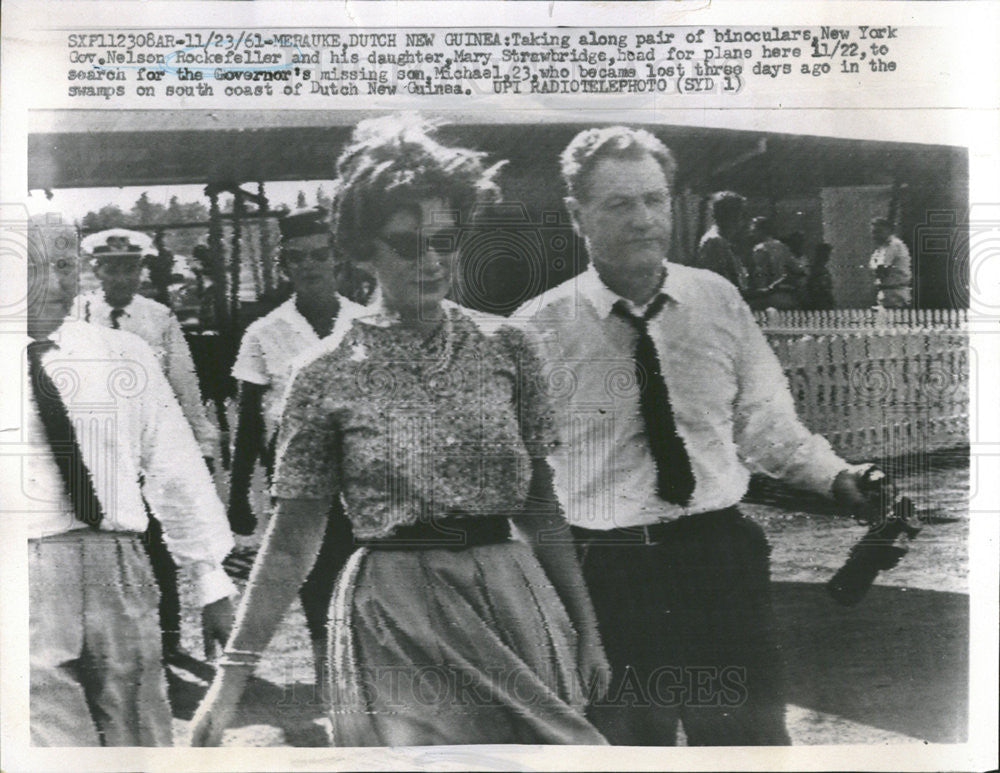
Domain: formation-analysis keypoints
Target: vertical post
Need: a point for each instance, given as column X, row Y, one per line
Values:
column 160, row 269
column 217, row 260
column 234, row 261
column 267, row 268
column 253, row 256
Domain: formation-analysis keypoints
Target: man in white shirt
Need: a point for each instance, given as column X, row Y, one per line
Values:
column 667, row 397
column 117, row 259
column 102, row 433
column 117, row 304
column 264, row 367
column 891, row 263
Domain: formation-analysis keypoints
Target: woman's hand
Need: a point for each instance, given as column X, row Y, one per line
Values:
column 595, row 671
column 218, row 706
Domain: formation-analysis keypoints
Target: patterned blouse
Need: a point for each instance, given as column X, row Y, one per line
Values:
column 406, row 428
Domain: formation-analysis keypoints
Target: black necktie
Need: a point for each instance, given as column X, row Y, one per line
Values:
column 674, row 478
column 116, row 314
column 62, row 439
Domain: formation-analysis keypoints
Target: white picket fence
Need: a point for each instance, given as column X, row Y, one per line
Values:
column 877, row 384
column 954, row 319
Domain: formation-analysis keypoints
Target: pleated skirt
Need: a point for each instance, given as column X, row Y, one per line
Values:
column 453, row 647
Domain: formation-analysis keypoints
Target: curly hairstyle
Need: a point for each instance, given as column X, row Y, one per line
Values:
column 392, row 164
column 591, row 146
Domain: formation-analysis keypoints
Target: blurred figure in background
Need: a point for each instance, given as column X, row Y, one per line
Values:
column 717, row 250
column 160, row 268
column 201, row 267
column 818, row 292
column 892, row 266
column 776, row 277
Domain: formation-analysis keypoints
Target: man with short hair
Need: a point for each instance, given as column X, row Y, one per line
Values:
column 718, row 245
column 667, row 397
column 117, row 259
column 102, row 433
column 891, row 263
column 264, row 367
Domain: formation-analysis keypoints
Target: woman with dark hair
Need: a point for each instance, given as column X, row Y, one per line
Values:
column 430, row 423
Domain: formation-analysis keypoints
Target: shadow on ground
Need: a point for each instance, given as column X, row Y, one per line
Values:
column 897, row 661
column 293, row 709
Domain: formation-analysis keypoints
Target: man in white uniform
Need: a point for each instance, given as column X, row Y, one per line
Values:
column 117, row 258
column 117, row 304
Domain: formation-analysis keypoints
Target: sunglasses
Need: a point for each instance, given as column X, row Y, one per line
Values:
column 295, row 257
column 411, row 246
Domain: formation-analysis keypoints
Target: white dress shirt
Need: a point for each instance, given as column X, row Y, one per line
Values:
column 729, row 396
column 270, row 347
column 155, row 324
column 136, row 444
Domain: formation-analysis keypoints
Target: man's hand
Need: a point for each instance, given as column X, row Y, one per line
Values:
column 216, row 624
column 864, row 493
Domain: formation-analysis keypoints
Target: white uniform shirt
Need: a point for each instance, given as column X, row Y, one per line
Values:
column 270, row 347
column 136, row 444
column 157, row 326
column 729, row 396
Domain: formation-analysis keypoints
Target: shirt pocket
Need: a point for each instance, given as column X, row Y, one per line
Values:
column 703, row 391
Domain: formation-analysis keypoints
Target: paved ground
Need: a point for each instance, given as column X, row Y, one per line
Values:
column 894, row 668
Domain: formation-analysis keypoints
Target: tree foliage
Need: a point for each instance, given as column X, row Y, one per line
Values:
column 145, row 214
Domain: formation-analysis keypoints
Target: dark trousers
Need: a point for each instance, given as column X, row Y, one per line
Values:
column 165, row 572
column 688, row 628
column 317, row 590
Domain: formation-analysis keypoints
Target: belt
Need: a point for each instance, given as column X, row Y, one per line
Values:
column 650, row 534
column 448, row 533
column 653, row 533
column 894, row 287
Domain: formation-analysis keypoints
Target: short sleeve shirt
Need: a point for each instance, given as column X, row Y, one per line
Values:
column 403, row 427
column 267, row 350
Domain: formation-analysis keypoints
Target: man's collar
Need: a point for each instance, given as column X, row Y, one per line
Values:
column 603, row 298
column 289, row 311
column 97, row 300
